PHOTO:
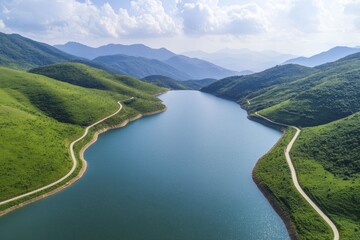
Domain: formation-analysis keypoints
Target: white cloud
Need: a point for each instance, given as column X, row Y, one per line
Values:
column 2, row 24
column 279, row 24
column 145, row 18
column 305, row 15
column 148, row 17
column 209, row 17
column 352, row 8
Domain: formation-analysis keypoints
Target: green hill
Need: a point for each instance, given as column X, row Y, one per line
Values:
column 23, row 53
column 166, row 82
column 85, row 76
column 172, row 84
column 325, row 100
column 331, row 94
column 40, row 116
column 328, row 164
column 337, row 97
column 198, row 84
column 236, row 88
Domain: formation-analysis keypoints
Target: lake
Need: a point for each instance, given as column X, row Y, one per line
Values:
column 183, row 174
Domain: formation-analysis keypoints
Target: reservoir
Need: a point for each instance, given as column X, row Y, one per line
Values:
column 184, row 174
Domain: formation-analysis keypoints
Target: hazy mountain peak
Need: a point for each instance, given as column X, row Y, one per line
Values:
column 137, row 50
column 242, row 59
column 330, row 55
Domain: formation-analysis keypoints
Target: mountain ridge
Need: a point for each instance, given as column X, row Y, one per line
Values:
column 135, row 50
column 330, row 55
column 24, row 53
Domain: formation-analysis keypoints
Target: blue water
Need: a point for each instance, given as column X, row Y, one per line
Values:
column 183, row 174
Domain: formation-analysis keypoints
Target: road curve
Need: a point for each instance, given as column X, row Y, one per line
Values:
column 295, row 180
column 73, row 157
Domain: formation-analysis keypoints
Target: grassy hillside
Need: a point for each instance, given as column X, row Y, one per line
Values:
column 328, row 163
column 272, row 175
column 40, row 116
column 23, row 53
column 338, row 96
column 85, row 76
column 141, row 67
column 327, row 156
column 236, row 88
column 198, row 84
column 166, row 82
column 172, row 84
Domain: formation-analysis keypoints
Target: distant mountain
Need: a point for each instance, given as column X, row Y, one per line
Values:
column 23, row 53
column 167, row 82
column 135, row 50
column 141, row 67
column 199, row 69
column 242, row 59
column 185, row 67
column 329, row 56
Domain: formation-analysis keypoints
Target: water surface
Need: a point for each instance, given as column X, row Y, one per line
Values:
column 184, row 174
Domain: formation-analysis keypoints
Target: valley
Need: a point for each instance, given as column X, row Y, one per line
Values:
column 51, row 96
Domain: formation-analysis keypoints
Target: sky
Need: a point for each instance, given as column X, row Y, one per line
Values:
column 299, row 27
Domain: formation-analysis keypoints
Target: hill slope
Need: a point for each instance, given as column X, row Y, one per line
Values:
column 23, row 53
column 165, row 82
column 85, row 76
column 236, row 88
column 42, row 115
column 172, row 84
column 331, row 55
column 325, row 156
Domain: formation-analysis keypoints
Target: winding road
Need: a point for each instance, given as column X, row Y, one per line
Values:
column 295, row 180
column 73, row 157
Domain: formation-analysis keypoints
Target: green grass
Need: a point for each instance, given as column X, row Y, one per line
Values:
column 89, row 77
column 172, row 84
column 273, row 174
column 335, row 98
column 23, row 53
column 236, row 88
column 328, row 163
column 40, row 116
column 166, row 82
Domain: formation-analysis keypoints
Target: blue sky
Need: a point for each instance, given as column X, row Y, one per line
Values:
column 299, row 27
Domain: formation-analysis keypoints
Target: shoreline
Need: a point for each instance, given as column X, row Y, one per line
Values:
column 272, row 200
column 284, row 215
column 83, row 161
column 290, row 227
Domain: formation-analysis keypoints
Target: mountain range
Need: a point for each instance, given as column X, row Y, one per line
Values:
column 141, row 67
column 141, row 61
column 244, row 60
column 331, row 55
column 135, row 50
